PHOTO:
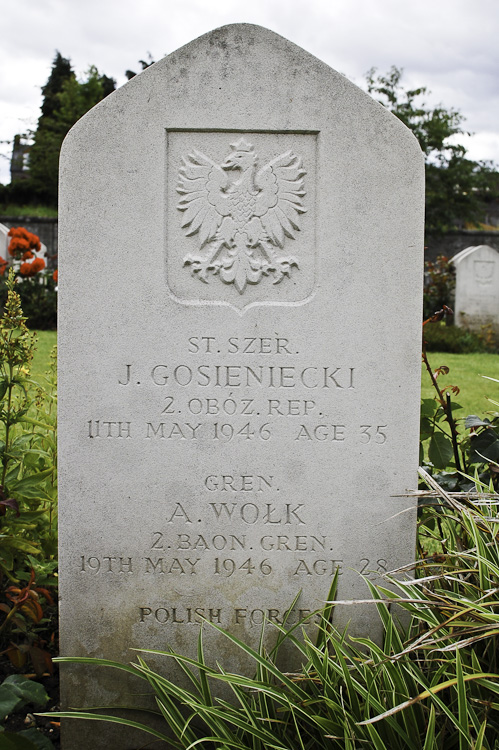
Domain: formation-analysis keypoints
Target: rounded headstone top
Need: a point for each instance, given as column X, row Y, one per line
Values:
column 462, row 254
column 247, row 75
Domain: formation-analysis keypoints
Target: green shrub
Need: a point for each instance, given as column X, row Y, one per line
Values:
column 38, row 301
column 440, row 337
column 439, row 286
column 17, row 692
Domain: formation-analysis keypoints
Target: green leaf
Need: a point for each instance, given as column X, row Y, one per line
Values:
column 11, row 741
column 112, row 719
column 7, row 557
column 29, row 690
column 29, row 482
column 37, row 423
column 9, row 700
column 484, row 447
column 464, row 742
column 21, row 544
column 37, row 739
column 430, row 731
column 473, row 421
column 428, row 407
column 481, row 734
column 27, row 516
column 12, row 474
column 440, row 451
column 3, row 387
column 425, row 428
column 22, row 441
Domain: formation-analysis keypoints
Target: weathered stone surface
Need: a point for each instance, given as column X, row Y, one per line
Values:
column 477, row 288
column 241, row 275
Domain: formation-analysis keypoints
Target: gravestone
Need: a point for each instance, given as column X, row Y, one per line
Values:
column 239, row 402
column 4, row 241
column 477, row 288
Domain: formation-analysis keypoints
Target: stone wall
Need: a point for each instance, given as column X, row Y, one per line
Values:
column 454, row 242
column 448, row 244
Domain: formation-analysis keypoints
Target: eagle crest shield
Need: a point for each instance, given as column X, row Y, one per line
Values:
column 241, row 214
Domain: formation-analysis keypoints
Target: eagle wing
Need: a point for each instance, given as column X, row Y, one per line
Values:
column 204, row 203
column 280, row 198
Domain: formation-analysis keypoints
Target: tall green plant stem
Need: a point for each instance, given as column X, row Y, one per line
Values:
column 7, row 424
column 445, row 401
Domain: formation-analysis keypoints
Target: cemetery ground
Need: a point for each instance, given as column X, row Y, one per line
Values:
column 432, row 686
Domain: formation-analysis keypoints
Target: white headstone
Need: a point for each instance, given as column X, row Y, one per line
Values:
column 4, row 241
column 239, row 403
column 477, row 288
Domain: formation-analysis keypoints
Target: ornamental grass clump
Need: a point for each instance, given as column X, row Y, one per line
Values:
column 431, row 685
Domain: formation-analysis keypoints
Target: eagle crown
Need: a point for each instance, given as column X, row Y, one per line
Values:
column 243, row 156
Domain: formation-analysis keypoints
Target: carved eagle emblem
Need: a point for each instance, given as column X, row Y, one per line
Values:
column 241, row 213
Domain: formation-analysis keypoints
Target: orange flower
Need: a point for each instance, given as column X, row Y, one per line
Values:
column 25, row 269
column 27, row 255
column 55, row 275
column 38, row 265
column 22, row 241
column 31, row 269
column 34, row 242
column 18, row 232
column 18, row 245
column 3, row 266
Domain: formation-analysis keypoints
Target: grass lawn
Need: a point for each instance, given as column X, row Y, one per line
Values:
column 465, row 371
column 46, row 340
column 12, row 211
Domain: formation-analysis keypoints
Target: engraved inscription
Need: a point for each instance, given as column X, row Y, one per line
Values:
column 241, row 214
column 484, row 271
column 230, row 564
column 250, row 401
column 240, row 526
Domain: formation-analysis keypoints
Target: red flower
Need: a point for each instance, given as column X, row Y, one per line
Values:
column 55, row 275
column 3, row 266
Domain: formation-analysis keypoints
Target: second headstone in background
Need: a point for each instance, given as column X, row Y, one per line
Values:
column 477, row 289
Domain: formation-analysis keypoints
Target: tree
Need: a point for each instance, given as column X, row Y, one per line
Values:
column 66, row 99
column 456, row 187
column 144, row 64
column 60, row 73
